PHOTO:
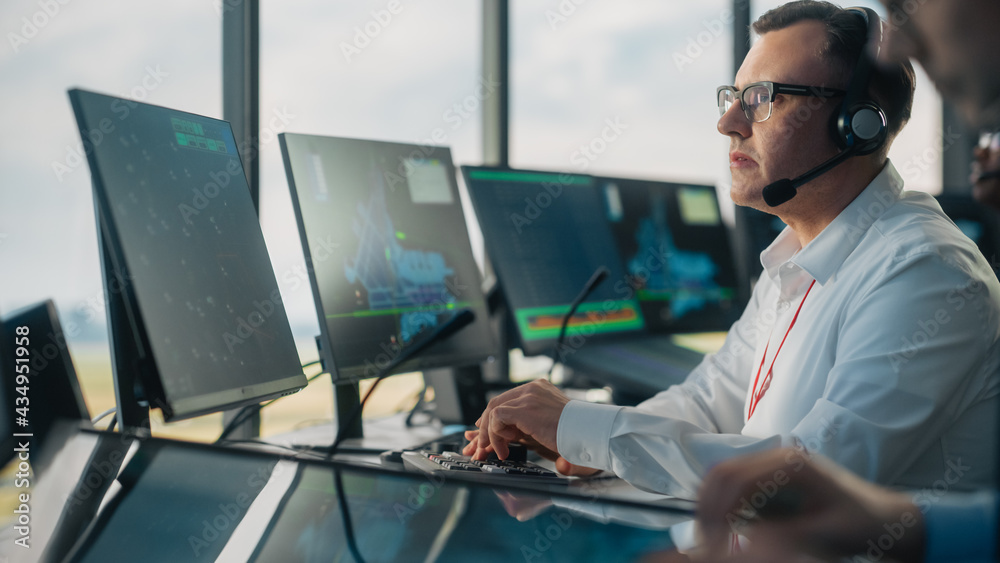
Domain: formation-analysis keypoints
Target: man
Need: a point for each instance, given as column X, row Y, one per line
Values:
column 871, row 336
column 956, row 43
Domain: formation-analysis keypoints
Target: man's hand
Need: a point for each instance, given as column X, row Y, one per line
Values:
column 784, row 498
column 529, row 413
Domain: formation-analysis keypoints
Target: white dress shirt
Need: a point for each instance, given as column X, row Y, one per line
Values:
column 892, row 368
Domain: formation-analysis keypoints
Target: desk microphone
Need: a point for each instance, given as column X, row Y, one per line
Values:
column 595, row 279
column 441, row 332
column 783, row 190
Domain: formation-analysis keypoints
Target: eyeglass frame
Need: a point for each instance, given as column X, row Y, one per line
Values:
column 774, row 88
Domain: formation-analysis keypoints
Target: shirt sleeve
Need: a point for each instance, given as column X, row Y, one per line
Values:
column 962, row 528
column 686, row 428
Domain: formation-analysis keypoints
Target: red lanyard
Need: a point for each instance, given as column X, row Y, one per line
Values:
column 756, row 396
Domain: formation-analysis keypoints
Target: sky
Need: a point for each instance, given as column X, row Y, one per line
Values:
column 642, row 71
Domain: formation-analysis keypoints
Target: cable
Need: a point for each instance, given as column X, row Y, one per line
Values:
column 595, row 280
column 443, row 331
column 250, row 410
column 98, row 418
column 421, row 401
column 342, row 432
column 352, row 543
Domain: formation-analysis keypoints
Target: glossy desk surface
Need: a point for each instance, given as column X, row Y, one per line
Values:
column 177, row 501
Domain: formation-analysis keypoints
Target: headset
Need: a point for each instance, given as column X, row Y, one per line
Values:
column 859, row 126
column 861, row 123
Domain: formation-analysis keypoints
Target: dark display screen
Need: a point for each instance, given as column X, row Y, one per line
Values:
column 175, row 208
column 388, row 251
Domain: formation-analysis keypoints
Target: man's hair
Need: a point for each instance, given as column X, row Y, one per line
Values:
column 891, row 87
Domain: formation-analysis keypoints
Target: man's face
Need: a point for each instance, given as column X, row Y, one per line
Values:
column 796, row 137
column 958, row 44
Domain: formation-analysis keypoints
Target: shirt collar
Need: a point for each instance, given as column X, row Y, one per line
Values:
column 824, row 255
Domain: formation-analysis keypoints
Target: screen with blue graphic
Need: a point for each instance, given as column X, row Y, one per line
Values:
column 676, row 252
column 545, row 235
column 387, row 250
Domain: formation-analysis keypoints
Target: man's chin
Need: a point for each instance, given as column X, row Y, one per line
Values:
column 747, row 197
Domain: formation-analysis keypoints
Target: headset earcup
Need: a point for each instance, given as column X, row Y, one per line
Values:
column 869, row 126
column 863, row 127
column 836, row 131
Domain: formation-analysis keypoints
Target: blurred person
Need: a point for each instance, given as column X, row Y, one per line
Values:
column 789, row 502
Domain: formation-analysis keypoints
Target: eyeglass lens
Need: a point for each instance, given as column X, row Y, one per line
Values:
column 756, row 102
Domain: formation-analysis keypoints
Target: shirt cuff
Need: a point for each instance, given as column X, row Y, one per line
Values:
column 584, row 433
column 961, row 528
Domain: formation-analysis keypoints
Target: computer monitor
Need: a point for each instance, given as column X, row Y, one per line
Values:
column 546, row 235
column 676, row 253
column 388, row 252
column 39, row 381
column 977, row 221
column 195, row 315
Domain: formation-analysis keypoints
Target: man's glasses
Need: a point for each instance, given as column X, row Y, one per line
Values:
column 757, row 98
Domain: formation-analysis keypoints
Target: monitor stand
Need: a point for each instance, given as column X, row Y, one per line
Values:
column 127, row 355
column 464, row 387
column 346, row 399
column 459, row 394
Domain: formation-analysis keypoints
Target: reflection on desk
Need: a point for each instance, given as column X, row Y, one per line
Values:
column 179, row 501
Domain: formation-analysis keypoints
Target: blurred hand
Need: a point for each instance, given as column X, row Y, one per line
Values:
column 782, row 499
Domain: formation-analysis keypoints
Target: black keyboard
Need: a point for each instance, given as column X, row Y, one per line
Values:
column 490, row 471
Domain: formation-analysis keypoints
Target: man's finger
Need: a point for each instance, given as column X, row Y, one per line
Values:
column 567, row 468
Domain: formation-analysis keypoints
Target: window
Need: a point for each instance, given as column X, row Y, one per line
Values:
column 620, row 89
column 166, row 53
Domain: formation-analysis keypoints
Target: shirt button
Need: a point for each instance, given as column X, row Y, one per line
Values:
column 585, row 456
